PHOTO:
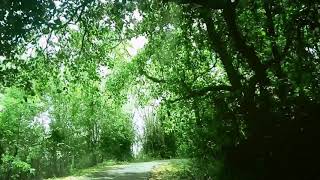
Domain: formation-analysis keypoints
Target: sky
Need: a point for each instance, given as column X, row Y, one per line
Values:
column 135, row 44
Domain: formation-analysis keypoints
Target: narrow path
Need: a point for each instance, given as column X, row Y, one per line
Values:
column 131, row 171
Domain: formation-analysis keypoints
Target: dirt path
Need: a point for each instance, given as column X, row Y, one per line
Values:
column 131, row 171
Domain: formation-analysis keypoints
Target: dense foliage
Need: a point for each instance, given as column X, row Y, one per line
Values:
column 59, row 112
column 237, row 81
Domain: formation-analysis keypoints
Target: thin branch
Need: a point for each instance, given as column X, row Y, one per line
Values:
column 74, row 14
column 47, row 45
column 83, row 39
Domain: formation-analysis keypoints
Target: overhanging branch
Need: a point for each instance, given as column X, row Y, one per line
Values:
column 219, row 46
column 154, row 79
column 202, row 92
column 211, row 4
column 242, row 47
column 214, row 88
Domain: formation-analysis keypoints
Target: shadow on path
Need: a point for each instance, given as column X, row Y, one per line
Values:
column 132, row 171
column 123, row 176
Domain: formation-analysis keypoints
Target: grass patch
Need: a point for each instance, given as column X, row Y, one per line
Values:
column 173, row 170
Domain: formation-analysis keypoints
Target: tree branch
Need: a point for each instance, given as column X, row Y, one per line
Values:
column 154, row 79
column 75, row 14
column 245, row 50
column 277, row 56
column 205, row 90
column 202, row 92
column 272, row 34
column 83, row 39
column 219, row 46
column 211, row 4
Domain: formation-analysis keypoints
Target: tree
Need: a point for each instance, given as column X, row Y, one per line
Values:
column 259, row 100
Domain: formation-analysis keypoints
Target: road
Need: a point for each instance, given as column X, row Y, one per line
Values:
column 131, row 171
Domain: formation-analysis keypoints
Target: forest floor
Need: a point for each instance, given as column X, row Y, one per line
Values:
column 130, row 171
